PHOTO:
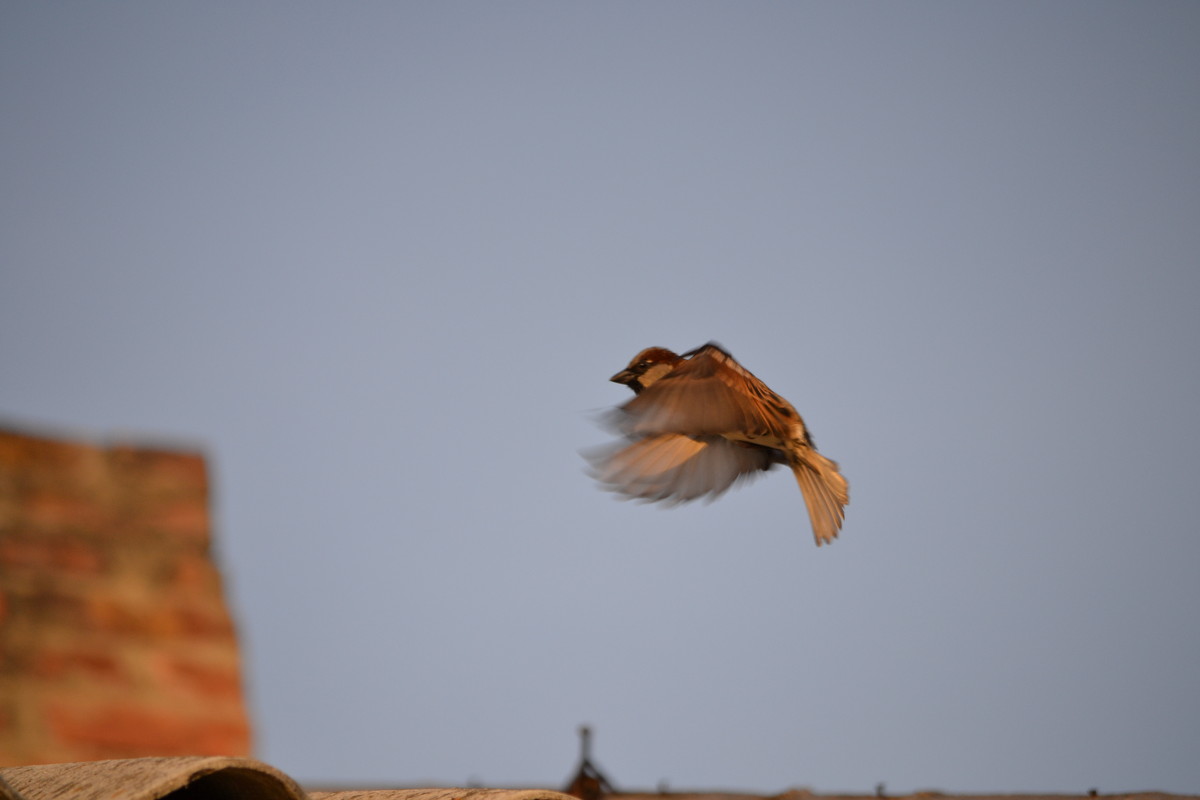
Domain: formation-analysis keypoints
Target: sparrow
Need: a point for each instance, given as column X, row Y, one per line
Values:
column 701, row 422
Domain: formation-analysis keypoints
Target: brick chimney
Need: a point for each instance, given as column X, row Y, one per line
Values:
column 115, row 640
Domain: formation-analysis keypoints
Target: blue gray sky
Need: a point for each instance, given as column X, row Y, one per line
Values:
column 379, row 259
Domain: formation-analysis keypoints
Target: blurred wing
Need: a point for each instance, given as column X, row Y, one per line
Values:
column 709, row 394
column 674, row 468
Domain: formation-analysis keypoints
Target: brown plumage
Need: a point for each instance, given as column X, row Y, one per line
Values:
column 700, row 423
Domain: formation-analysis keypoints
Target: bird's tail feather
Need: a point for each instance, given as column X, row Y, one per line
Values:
column 825, row 491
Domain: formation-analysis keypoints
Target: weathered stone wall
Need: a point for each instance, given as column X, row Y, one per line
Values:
column 115, row 640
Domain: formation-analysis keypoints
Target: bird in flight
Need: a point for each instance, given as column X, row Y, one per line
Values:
column 701, row 422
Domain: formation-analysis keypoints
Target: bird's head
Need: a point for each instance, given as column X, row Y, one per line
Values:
column 647, row 367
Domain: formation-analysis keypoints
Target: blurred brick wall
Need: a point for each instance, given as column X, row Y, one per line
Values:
column 115, row 640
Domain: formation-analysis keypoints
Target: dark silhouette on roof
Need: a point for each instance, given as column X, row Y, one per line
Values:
column 589, row 783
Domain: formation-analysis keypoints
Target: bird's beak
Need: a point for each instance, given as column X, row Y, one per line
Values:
column 624, row 376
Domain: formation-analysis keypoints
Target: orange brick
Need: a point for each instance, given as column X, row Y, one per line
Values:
column 50, row 553
column 49, row 606
column 204, row 622
column 56, row 510
column 56, row 663
column 130, row 731
column 194, row 574
column 106, row 614
column 207, row 681
column 186, row 518
column 157, row 472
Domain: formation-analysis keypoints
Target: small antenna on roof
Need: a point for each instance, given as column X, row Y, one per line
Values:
column 585, row 743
